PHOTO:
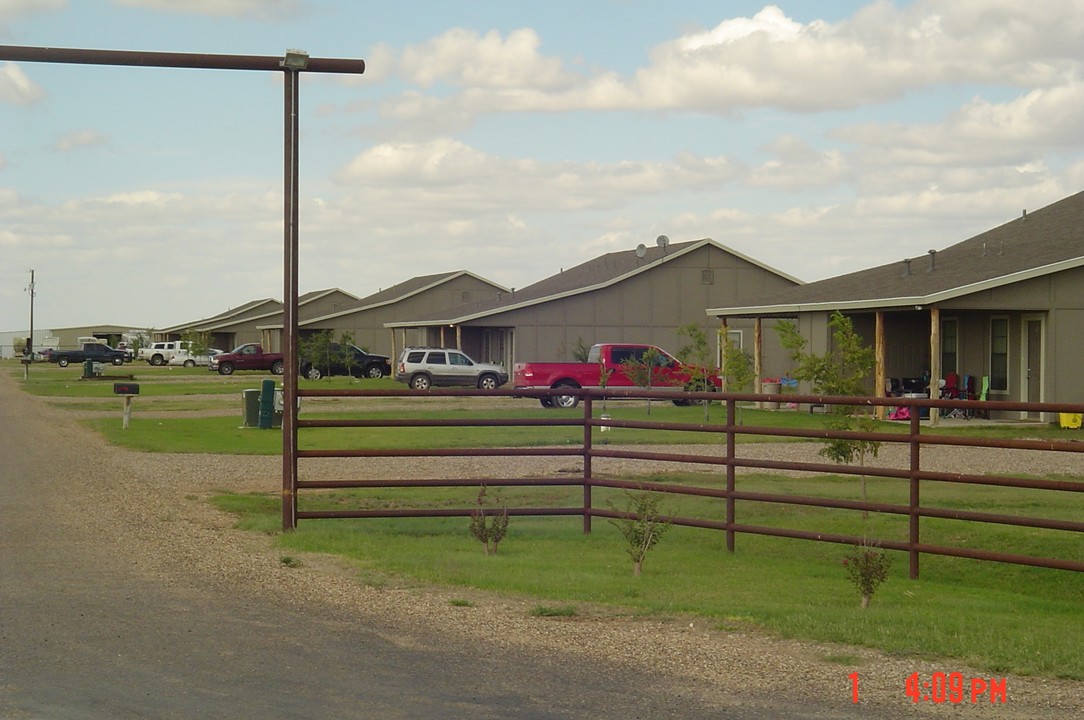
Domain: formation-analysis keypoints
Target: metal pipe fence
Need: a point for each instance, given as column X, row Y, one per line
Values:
column 918, row 478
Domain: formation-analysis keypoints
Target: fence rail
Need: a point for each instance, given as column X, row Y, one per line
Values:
column 730, row 462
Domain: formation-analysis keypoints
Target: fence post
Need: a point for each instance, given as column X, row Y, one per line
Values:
column 731, row 408
column 913, row 503
column 588, row 414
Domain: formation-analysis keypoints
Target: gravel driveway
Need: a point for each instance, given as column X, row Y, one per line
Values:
column 152, row 510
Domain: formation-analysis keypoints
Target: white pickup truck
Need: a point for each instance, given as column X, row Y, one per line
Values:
column 161, row 352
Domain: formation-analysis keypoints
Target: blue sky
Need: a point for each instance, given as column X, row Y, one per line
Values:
column 514, row 140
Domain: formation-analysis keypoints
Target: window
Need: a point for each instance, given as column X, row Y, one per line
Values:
column 949, row 345
column 999, row 354
column 437, row 358
column 459, row 359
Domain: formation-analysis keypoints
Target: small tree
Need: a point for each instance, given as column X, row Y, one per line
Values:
column 195, row 342
column 738, row 370
column 604, row 374
column 580, row 351
column 346, row 352
column 316, row 349
column 842, row 371
column 645, row 371
column 696, row 355
column 488, row 529
column 642, row 531
column 867, row 567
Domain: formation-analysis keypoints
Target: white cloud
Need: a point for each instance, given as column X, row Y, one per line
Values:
column 882, row 53
column 445, row 175
column 16, row 88
column 12, row 10
column 469, row 59
column 255, row 9
column 81, row 139
column 981, row 135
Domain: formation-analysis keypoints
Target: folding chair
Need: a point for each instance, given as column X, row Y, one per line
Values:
column 951, row 391
column 983, row 396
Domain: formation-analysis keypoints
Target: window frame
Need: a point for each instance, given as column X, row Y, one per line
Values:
column 999, row 359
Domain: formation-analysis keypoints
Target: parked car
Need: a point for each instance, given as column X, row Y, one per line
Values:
column 422, row 368
column 184, row 359
column 361, row 364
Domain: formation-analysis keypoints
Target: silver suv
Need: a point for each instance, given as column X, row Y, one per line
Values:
column 422, row 368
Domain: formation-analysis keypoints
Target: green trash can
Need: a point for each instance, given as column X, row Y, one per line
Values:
column 250, row 407
column 267, row 404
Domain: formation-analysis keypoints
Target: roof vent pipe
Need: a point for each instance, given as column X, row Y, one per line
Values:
column 1025, row 215
column 933, row 257
column 906, row 267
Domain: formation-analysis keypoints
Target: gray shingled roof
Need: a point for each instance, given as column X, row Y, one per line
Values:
column 225, row 317
column 592, row 274
column 1037, row 243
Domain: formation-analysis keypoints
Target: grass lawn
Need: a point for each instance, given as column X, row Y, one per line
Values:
column 998, row 618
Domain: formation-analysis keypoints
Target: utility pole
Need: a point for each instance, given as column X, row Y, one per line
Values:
column 30, row 337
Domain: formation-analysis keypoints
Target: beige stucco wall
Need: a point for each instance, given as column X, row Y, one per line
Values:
column 645, row 308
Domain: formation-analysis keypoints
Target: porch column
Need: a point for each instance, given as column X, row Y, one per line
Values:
column 935, row 361
column 879, row 376
column 458, row 337
column 722, row 335
column 394, row 355
column 757, row 353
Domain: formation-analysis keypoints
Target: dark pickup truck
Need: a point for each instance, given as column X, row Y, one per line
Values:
column 91, row 351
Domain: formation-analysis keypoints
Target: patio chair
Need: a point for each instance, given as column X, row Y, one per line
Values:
column 983, row 396
column 951, row 391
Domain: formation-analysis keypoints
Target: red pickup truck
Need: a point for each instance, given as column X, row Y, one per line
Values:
column 249, row 356
column 611, row 358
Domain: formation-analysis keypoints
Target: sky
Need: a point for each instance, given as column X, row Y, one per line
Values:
column 515, row 139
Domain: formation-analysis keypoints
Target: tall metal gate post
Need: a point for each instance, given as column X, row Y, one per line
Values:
column 731, row 445
column 588, row 414
column 913, row 502
column 290, row 76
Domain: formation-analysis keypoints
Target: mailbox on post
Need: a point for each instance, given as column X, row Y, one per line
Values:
column 128, row 390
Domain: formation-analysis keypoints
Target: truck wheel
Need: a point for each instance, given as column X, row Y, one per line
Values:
column 314, row 373
column 190, row 363
column 546, row 402
column 225, row 368
column 565, row 401
column 488, row 382
column 374, row 372
column 277, row 368
column 157, row 360
column 62, row 362
column 118, row 361
column 420, row 382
